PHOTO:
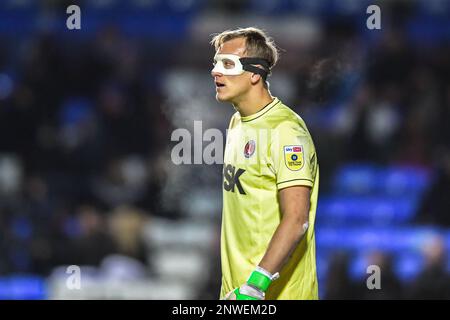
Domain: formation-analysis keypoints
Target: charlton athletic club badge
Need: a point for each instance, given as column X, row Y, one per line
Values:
column 249, row 148
column 293, row 157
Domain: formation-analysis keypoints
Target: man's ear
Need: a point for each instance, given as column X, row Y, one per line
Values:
column 255, row 78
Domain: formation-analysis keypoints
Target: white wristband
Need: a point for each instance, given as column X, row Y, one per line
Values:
column 272, row 277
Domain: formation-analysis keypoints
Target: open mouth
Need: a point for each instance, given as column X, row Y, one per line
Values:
column 218, row 84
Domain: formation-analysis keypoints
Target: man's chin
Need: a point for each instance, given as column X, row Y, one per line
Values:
column 222, row 98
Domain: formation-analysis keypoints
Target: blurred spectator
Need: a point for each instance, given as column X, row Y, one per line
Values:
column 435, row 206
column 125, row 227
column 123, row 181
column 391, row 287
column 339, row 285
column 11, row 175
column 377, row 120
column 211, row 287
column 93, row 241
column 434, row 281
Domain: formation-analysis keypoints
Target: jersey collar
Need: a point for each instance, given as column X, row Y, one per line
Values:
column 262, row 111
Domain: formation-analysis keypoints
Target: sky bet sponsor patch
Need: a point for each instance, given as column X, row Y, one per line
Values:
column 293, row 157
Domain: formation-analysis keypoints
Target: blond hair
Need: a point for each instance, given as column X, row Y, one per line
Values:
column 257, row 43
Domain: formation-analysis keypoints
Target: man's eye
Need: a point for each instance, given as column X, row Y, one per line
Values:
column 228, row 63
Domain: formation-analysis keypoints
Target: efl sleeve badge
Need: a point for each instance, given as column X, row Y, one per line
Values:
column 293, row 157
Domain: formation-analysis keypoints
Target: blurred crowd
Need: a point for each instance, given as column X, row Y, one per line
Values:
column 85, row 137
column 431, row 283
column 81, row 133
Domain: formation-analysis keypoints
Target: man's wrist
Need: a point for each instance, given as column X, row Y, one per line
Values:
column 272, row 277
column 261, row 279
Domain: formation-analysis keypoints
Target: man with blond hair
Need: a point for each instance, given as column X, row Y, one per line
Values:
column 270, row 178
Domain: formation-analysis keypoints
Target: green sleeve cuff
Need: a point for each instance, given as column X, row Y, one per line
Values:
column 259, row 280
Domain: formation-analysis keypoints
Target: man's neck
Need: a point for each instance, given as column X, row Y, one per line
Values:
column 253, row 102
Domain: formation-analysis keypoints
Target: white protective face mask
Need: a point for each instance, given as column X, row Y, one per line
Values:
column 228, row 64
column 233, row 65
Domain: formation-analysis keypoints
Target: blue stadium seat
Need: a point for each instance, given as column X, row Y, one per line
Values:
column 22, row 228
column 358, row 267
column 369, row 238
column 408, row 265
column 364, row 179
column 322, row 262
column 400, row 180
column 30, row 6
column 22, row 287
column 309, row 7
column 365, row 210
column 355, row 179
column 268, row 6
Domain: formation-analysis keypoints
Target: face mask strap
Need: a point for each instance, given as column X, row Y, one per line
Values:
column 248, row 65
column 243, row 64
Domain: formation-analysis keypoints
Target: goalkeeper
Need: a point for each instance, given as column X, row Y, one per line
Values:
column 270, row 178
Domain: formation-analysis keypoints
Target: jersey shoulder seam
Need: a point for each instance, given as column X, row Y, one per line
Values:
column 310, row 180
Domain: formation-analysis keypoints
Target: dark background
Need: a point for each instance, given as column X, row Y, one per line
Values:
column 86, row 117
